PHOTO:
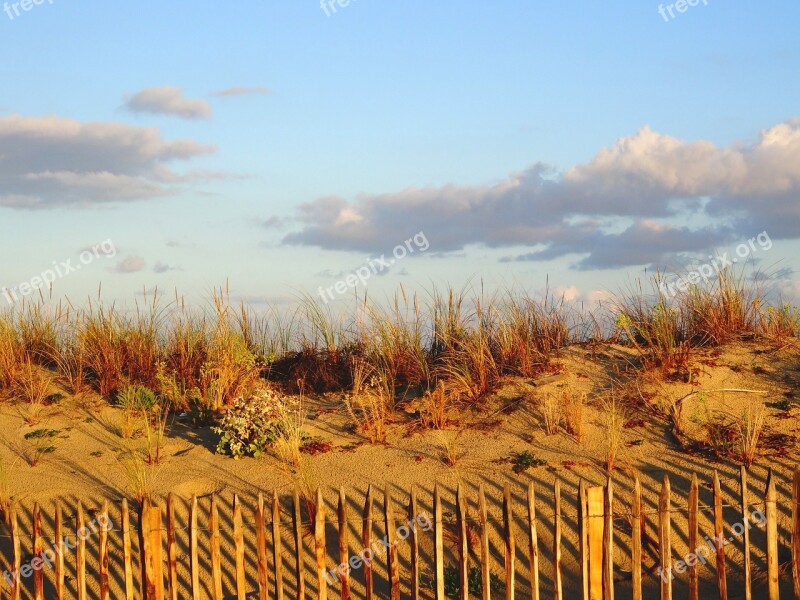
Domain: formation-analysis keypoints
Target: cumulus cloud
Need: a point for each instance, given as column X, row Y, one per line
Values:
column 241, row 91
column 619, row 209
column 47, row 162
column 167, row 100
column 131, row 264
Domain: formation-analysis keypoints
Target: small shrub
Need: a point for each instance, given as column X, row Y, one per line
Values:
column 452, row 583
column 252, row 424
column 522, row 461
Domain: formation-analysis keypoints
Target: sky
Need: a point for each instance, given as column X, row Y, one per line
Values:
column 291, row 147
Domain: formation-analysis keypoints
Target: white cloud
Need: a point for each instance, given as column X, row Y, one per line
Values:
column 167, row 100
column 46, row 162
column 241, row 91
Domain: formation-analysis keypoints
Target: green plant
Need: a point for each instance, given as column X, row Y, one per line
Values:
column 522, row 461
column 253, row 423
column 452, row 582
column 43, row 442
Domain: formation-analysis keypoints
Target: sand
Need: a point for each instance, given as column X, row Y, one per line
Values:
column 85, row 464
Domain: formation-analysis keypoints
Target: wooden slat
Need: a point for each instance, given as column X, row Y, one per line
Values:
column 155, row 562
column 438, row 544
column 277, row 554
column 238, row 543
column 558, row 592
column 344, row 550
column 486, row 557
column 665, row 540
column 141, row 554
column 745, row 506
column 414, row 542
column 194, row 549
column 172, row 550
column 105, row 592
column 463, row 548
column 795, row 533
column 297, row 524
column 127, row 553
column 636, row 540
column 392, row 566
column 320, row 546
column 595, row 510
column 583, row 539
column 80, row 553
column 17, row 555
column 722, row 580
column 694, row 503
column 608, row 540
column 38, row 579
column 261, row 550
column 509, row 543
column 771, row 509
column 59, row 538
column 216, row 550
column 533, row 542
column 366, row 540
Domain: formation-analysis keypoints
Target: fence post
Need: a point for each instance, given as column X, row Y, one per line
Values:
column 319, row 547
column 38, row 579
column 238, row 542
column 366, row 540
column 216, row 552
column 277, row 555
column 557, row 584
column 795, row 533
column 510, row 546
column 636, row 539
column 694, row 502
column 59, row 535
column 722, row 581
column 463, row 548
column 344, row 553
column 127, row 553
column 152, row 552
column 595, row 500
column 105, row 593
column 80, row 553
column 194, row 550
column 261, row 549
column 770, row 503
column 665, row 539
column 608, row 540
column 486, row 578
column 392, row 567
column 297, row 523
column 534, row 542
column 745, row 505
column 412, row 517
column 438, row 548
column 172, row 549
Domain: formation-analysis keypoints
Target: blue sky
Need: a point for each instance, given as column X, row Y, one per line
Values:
column 582, row 141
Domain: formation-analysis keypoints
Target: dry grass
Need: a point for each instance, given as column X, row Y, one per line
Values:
column 550, row 409
column 613, row 421
column 369, row 403
column 435, row 405
column 573, row 410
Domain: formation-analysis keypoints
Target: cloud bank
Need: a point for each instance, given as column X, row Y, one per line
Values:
column 167, row 100
column 49, row 162
column 619, row 209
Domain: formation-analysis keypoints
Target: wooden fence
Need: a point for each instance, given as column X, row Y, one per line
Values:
column 152, row 571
